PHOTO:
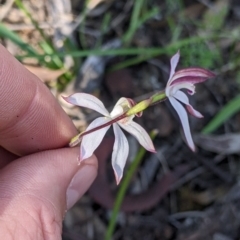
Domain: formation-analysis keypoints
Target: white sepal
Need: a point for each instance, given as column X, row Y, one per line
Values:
column 120, row 152
column 88, row 101
column 92, row 140
column 140, row 134
column 184, row 120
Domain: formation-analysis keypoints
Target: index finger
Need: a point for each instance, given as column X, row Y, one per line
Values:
column 31, row 120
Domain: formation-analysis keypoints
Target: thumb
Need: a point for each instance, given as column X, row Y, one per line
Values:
column 45, row 184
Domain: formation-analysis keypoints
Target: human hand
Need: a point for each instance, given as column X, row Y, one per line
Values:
column 38, row 187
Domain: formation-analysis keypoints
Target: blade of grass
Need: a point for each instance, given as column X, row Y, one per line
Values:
column 46, row 44
column 8, row 34
column 223, row 115
column 99, row 52
column 129, row 51
column 103, row 29
column 151, row 53
column 133, row 61
column 55, row 62
column 82, row 36
column 137, row 21
column 133, row 22
column 145, row 53
column 150, row 14
column 35, row 23
column 123, row 188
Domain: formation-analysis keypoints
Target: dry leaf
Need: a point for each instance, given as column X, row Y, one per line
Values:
column 93, row 3
column 222, row 144
column 204, row 197
column 45, row 74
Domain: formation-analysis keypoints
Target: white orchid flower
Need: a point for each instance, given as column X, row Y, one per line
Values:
column 184, row 79
column 92, row 140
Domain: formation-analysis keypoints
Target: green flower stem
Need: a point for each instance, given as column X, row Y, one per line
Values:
column 75, row 140
column 141, row 106
column 158, row 97
column 123, row 188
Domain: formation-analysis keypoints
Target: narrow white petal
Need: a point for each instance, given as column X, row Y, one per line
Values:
column 174, row 62
column 140, row 134
column 92, row 140
column 182, row 97
column 184, row 120
column 88, row 101
column 120, row 152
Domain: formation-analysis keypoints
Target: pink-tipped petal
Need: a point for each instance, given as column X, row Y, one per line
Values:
column 140, row 134
column 92, row 140
column 182, row 97
column 88, row 101
column 189, row 79
column 174, row 62
column 194, row 112
column 184, row 120
column 120, row 152
column 192, row 75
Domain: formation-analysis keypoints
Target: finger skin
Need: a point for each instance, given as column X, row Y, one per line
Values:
column 33, row 192
column 31, row 120
column 33, row 188
column 6, row 157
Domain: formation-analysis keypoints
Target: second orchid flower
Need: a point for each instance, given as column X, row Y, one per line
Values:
column 185, row 79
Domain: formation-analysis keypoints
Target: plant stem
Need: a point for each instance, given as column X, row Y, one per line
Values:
column 123, row 188
column 141, row 106
column 158, row 97
column 77, row 139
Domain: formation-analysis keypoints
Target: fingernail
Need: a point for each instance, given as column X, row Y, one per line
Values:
column 80, row 183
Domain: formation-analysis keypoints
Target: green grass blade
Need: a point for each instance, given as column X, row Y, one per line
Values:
column 35, row 23
column 123, row 188
column 150, row 14
column 144, row 53
column 46, row 44
column 12, row 36
column 56, row 62
column 134, row 21
column 225, row 113
column 149, row 52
